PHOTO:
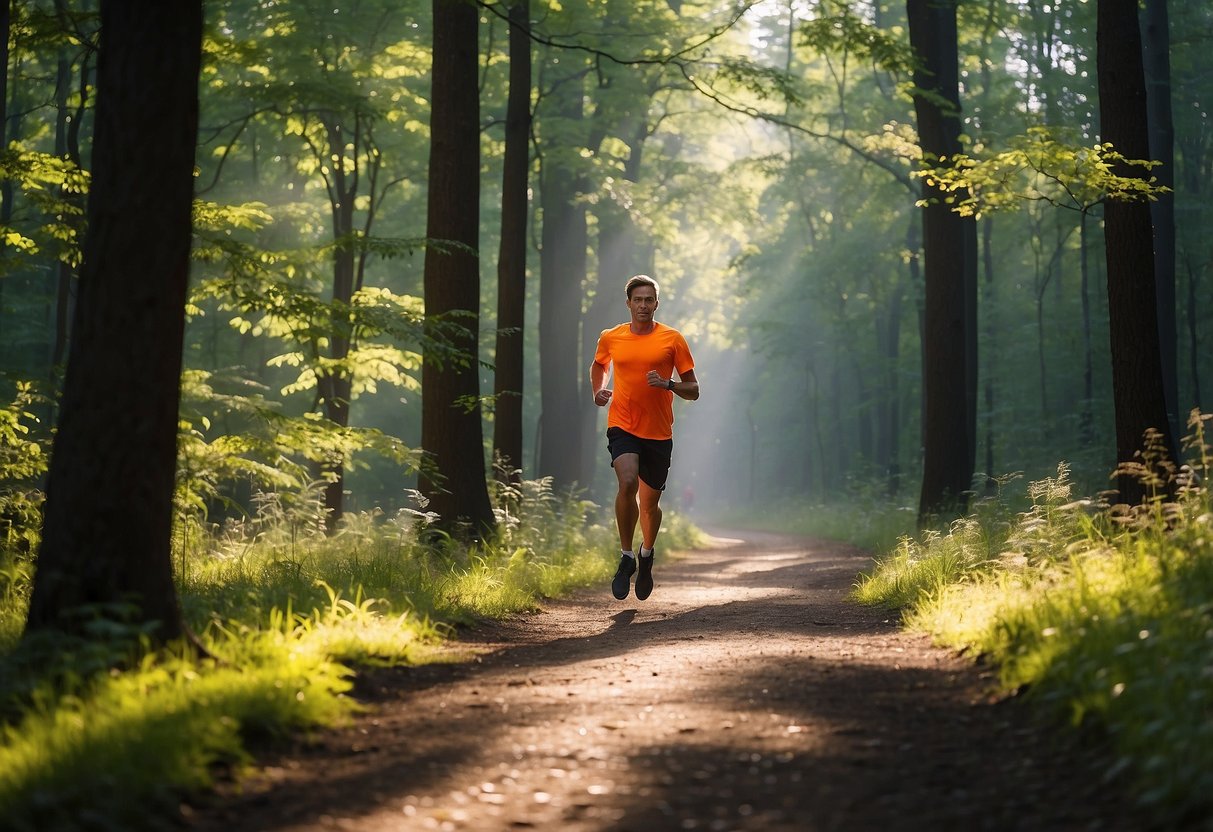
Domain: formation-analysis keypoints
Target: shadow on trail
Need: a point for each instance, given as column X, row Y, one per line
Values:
column 808, row 735
column 918, row 756
column 776, row 781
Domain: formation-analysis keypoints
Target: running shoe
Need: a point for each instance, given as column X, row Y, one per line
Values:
column 623, row 577
column 644, row 580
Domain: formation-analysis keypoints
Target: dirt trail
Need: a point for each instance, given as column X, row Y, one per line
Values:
column 745, row 694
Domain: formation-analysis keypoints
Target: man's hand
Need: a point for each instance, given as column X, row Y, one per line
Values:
column 602, row 397
column 655, row 380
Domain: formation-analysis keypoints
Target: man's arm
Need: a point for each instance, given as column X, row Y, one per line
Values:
column 687, row 387
column 598, row 384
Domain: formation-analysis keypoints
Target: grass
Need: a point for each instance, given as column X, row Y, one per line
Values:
column 287, row 614
column 1102, row 617
column 120, row 750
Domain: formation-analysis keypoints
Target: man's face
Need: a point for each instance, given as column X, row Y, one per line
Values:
column 642, row 304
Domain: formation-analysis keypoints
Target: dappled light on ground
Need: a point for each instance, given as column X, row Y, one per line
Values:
column 746, row 693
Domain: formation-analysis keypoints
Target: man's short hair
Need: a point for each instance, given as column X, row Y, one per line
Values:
column 642, row 280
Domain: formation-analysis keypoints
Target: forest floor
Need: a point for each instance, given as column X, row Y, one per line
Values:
column 747, row 693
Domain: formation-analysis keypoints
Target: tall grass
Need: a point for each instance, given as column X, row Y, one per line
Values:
column 284, row 611
column 1103, row 615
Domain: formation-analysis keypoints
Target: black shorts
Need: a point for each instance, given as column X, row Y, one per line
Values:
column 654, row 455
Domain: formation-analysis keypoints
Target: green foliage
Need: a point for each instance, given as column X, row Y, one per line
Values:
column 1039, row 167
column 841, row 30
column 23, row 462
column 279, row 295
column 1102, row 616
column 53, row 187
column 116, row 751
column 262, row 448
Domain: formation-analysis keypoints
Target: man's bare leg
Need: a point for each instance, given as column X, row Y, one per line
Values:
column 627, row 472
column 650, row 524
column 650, row 514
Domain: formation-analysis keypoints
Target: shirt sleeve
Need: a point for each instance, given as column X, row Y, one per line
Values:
column 602, row 355
column 682, row 355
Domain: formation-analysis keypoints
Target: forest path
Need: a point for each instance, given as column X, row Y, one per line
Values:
column 746, row 694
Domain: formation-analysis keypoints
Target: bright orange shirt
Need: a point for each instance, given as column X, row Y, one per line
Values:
column 641, row 410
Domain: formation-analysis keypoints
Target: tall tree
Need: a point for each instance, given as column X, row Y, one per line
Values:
column 1156, row 42
column 949, row 252
column 108, row 516
column 562, row 271
column 451, row 430
column 67, row 146
column 511, row 260
column 1137, row 384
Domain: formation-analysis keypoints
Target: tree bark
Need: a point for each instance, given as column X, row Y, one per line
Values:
column 451, row 430
column 949, row 250
column 511, row 261
column 1156, row 55
column 562, row 272
column 1137, row 385
column 108, row 518
column 335, row 389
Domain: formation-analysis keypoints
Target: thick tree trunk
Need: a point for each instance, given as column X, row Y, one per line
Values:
column 109, row 506
column 949, row 248
column 1137, row 385
column 562, row 272
column 511, row 261
column 451, row 430
column 1156, row 38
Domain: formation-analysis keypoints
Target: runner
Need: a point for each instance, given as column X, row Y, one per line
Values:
column 645, row 355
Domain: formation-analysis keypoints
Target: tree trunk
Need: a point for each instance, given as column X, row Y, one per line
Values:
column 562, row 272
column 1137, row 386
column 990, row 304
column 451, row 430
column 511, row 262
column 1156, row 55
column 109, row 505
column 1086, row 418
column 65, row 274
column 949, row 249
column 335, row 388
column 6, row 187
column 616, row 243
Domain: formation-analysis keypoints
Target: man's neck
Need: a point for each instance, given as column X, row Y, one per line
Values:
column 643, row 329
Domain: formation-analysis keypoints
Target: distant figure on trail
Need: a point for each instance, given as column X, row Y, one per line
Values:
column 645, row 356
column 688, row 498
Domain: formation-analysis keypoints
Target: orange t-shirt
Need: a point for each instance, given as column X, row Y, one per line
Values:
column 641, row 410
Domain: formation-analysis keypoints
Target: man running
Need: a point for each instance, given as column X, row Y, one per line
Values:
column 645, row 355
